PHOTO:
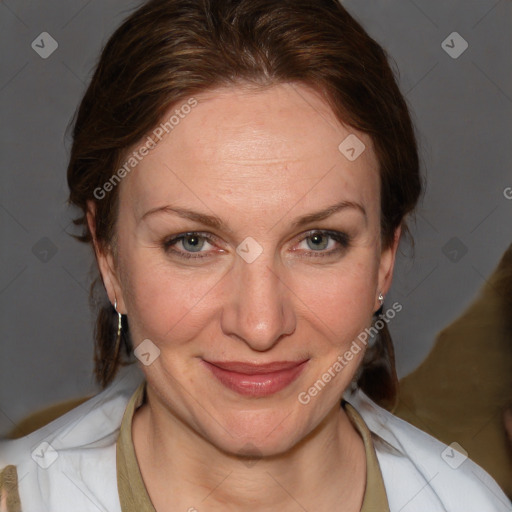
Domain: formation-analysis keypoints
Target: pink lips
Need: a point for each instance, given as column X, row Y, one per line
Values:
column 256, row 380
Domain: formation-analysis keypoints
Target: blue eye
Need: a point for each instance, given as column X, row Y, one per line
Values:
column 190, row 242
column 320, row 240
column 318, row 243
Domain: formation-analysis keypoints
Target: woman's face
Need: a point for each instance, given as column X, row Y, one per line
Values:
column 284, row 263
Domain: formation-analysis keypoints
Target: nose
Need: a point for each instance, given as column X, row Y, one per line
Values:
column 259, row 307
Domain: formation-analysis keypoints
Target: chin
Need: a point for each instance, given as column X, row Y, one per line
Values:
column 256, row 434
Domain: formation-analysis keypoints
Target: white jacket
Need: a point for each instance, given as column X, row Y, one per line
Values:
column 420, row 473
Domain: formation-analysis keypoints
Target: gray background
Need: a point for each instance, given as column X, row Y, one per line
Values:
column 461, row 107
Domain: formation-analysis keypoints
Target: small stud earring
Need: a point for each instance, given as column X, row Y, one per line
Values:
column 381, row 298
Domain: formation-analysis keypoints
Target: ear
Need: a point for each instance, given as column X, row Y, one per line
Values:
column 106, row 263
column 386, row 266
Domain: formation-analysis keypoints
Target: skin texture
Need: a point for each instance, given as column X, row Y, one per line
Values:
column 258, row 160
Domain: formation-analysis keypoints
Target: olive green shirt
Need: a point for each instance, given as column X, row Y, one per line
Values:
column 133, row 494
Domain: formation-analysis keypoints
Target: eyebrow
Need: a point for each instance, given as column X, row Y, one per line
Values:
column 327, row 212
column 215, row 222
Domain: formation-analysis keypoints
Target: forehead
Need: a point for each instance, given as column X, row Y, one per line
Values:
column 273, row 144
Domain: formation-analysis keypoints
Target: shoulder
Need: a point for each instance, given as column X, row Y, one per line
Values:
column 73, row 458
column 422, row 473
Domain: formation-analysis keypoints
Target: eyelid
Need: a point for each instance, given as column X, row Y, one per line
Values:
column 172, row 240
column 328, row 232
column 343, row 240
column 180, row 236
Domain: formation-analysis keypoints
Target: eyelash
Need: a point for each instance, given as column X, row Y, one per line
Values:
column 341, row 238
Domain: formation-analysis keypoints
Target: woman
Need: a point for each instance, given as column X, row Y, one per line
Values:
column 244, row 171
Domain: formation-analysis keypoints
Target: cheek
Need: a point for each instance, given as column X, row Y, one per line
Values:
column 342, row 297
column 162, row 302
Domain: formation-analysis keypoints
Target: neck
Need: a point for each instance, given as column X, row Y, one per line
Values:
column 179, row 467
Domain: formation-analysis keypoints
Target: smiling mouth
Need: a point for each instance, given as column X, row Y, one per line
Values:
column 255, row 380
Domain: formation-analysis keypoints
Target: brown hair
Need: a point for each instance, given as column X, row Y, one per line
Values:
column 169, row 50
